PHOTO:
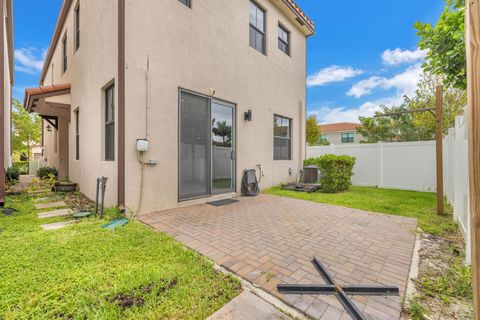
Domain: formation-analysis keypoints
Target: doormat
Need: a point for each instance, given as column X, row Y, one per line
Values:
column 223, row 202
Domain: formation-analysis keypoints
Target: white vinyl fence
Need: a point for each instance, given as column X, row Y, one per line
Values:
column 412, row 166
column 400, row 165
column 34, row 165
column 456, row 176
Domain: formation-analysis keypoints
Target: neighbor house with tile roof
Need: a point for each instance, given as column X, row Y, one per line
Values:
column 340, row 133
column 173, row 99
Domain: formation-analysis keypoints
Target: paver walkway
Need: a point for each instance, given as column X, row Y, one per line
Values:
column 269, row 240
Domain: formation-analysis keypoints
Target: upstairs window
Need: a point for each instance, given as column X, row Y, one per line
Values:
column 77, row 27
column 348, row 137
column 283, row 39
column 188, row 3
column 257, row 28
column 64, row 53
column 282, row 138
column 110, row 123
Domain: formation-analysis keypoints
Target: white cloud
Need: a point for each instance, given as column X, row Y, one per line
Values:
column 29, row 60
column 332, row 74
column 365, row 86
column 328, row 114
column 405, row 83
column 342, row 114
column 399, row 56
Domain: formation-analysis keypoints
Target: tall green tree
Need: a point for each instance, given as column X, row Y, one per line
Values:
column 445, row 43
column 454, row 102
column 26, row 129
column 395, row 128
column 313, row 130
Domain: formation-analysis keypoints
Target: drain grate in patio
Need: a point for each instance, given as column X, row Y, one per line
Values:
column 223, row 202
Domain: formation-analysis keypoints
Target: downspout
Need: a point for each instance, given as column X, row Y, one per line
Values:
column 121, row 106
column 2, row 104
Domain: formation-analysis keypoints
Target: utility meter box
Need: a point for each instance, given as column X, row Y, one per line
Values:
column 142, row 145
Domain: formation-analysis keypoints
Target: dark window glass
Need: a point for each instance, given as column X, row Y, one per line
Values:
column 188, row 3
column 110, row 123
column 282, row 138
column 323, row 138
column 64, row 53
column 77, row 27
column 283, row 39
column 257, row 27
column 77, row 134
column 348, row 137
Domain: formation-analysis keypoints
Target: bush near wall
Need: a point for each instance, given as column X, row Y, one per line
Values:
column 45, row 172
column 21, row 166
column 335, row 172
column 12, row 175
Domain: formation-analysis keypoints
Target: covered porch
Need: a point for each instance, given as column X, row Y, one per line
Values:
column 53, row 105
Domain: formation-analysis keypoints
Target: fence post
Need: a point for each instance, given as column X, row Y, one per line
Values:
column 380, row 164
column 332, row 148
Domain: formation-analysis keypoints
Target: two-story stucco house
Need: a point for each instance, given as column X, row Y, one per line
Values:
column 6, row 74
column 210, row 88
column 340, row 133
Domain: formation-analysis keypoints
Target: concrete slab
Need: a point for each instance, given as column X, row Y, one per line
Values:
column 57, row 204
column 56, row 226
column 48, row 199
column 248, row 306
column 55, row 213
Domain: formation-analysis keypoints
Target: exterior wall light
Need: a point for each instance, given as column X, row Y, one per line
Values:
column 248, row 115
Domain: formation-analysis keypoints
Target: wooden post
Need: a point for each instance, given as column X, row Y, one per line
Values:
column 472, row 28
column 439, row 147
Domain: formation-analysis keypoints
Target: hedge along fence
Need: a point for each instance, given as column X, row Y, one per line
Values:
column 335, row 172
column 21, row 166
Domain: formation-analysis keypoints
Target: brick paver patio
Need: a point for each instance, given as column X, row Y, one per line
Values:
column 269, row 240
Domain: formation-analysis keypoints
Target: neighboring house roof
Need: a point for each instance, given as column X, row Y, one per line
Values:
column 302, row 18
column 33, row 94
column 338, row 127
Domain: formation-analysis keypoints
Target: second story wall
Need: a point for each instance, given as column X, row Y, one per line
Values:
column 205, row 49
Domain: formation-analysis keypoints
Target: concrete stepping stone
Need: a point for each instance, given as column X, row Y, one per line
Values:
column 54, row 213
column 248, row 306
column 57, row 204
column 57, row 225
column 48, row 199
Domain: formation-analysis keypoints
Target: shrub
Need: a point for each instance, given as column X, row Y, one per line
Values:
column 45, row 172
column 335, row 172
column 12, row 175
column 21, row 166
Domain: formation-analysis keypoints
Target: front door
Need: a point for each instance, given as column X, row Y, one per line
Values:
column 206, row 147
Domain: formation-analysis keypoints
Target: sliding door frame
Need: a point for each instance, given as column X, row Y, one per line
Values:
column 179, row 133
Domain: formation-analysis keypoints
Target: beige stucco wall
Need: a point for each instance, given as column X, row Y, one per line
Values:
column 336, row 137
column 7, row 87
column 89, row 70
column 199, row 49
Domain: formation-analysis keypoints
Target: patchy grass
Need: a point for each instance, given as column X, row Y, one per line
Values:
column 420, row 205
column 85, row 272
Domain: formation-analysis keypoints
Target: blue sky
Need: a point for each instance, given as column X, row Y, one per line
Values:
column 364, row 53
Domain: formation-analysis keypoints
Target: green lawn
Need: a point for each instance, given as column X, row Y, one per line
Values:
column 420, row 205
column 85, row 272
